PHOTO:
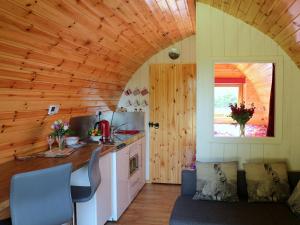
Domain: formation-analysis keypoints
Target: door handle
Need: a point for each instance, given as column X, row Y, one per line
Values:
column 154, row 125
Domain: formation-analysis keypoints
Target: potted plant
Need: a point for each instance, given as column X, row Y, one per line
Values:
column 241, row 115
column 95, row 134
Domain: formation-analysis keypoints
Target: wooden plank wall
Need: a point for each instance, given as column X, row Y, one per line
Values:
column 279, row 19
column 78, row 54
column 224, row 38
column 173, row 106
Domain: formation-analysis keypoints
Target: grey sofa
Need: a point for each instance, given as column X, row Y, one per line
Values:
column 187, row 211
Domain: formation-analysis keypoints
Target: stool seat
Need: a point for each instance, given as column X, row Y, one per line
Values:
column 86, row 193
column 42, row 197
column 81, row 193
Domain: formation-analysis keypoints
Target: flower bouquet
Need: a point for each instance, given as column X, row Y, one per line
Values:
column 60, row 129
column 241, row 115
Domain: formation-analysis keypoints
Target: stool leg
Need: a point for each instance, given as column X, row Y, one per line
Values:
column 75, row 214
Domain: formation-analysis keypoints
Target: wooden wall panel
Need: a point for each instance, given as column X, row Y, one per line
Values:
column 279, row 19
column 78, row 54
column 252, row 45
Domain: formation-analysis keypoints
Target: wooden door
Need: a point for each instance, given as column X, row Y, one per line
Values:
column 172, row 105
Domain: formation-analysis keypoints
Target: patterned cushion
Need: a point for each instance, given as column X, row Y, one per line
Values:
column 294, row 200
column 267, row 182
column 216, row 181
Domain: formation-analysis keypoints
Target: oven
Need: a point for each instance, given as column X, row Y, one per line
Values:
column 135, row 168
column 133, row 164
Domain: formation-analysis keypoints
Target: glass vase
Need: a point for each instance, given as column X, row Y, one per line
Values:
column 60, row 141
column 242, row 130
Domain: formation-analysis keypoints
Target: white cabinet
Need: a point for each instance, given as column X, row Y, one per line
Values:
column 117, row 188
column 98, row 210
column 104, row 192
column 120, row 179
column 126, row 186
column 135, row 149
column 143, row 162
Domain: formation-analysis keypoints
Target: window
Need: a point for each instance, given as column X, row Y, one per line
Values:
column 224, row 95
column 251, row 84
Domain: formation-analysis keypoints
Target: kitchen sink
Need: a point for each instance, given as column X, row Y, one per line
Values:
column 127, row 132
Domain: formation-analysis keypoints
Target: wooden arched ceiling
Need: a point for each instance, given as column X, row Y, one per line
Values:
column 86, row 47
column 279, row 19
column 227, row 70
column 75, row 53
column 260, row 75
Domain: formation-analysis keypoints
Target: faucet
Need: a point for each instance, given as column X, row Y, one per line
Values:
column 114, row 130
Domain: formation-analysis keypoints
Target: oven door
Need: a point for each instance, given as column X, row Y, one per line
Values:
column 133, row 164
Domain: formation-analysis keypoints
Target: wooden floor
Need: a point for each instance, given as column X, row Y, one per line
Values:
column 152, row 206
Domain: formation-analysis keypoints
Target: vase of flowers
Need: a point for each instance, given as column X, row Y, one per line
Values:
column 60, row 130
column 241, row 115
column 242, row 130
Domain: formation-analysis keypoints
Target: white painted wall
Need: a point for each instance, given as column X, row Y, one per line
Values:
column 140, row 79
column 220, row 37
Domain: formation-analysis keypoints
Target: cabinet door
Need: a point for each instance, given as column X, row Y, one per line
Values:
column 122, row 180
column 104, row 192
column 143, row 161
column 134, row 185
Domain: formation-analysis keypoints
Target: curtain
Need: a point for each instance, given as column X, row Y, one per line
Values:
column 271, row 124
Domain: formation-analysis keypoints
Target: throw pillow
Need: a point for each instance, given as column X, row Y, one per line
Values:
column 294, row 200
column 267, row 182
column 216, row 181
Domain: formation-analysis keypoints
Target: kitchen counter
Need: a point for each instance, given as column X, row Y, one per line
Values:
column 127, row 139
column 78, row 159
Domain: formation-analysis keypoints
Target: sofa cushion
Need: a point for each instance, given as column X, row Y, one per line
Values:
column 216, row 181
column 267, row 182
column 294, row 200
column 188, row 186
column 189, row 212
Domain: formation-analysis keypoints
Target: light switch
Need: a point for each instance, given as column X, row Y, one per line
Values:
column 53, row 109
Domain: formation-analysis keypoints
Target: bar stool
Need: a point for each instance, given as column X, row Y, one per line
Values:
column 42, row 197
column 86, row 193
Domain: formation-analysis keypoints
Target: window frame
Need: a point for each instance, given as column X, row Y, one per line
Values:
column 278, row 61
